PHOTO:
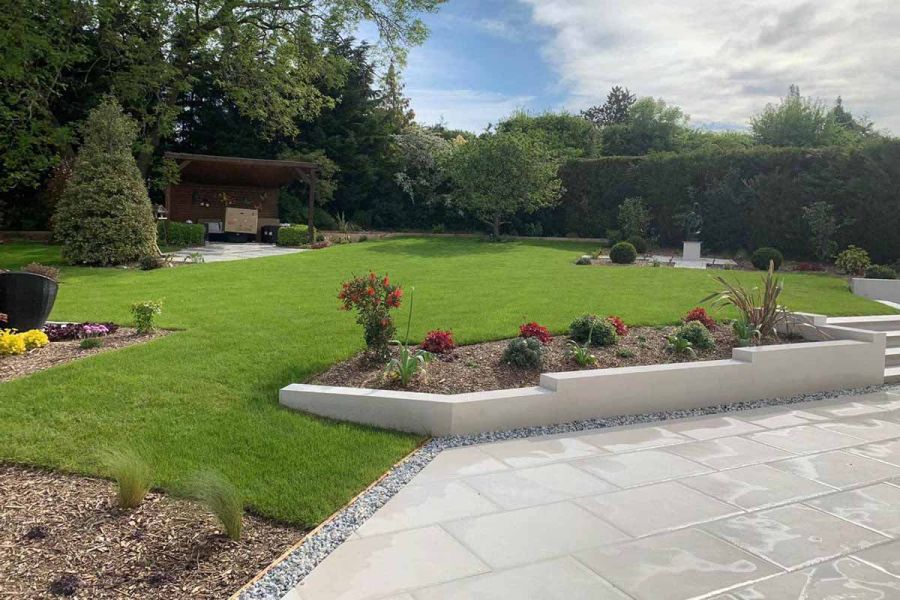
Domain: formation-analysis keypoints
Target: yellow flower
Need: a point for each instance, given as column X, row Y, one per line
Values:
column 11, row 343
column 35, row 339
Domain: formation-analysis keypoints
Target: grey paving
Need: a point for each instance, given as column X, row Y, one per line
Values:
column 801, row 501
column 214, row 252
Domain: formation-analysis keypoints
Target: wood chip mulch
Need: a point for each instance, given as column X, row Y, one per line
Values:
column 479, row 367
column 57, row 353
column 62, row 536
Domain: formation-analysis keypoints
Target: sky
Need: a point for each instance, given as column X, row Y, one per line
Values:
column 720, row 61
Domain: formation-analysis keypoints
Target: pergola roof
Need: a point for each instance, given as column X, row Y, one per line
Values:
column 234, row 170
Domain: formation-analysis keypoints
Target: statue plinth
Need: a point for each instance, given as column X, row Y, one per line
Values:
column 691, row 251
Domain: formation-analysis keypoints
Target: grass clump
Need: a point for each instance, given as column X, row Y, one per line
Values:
column 222, row 499
column 90, row 343
column 132, row 475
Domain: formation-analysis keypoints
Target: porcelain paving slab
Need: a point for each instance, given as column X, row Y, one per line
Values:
column 460, row 462
column 714, row 427
column 756, row 486
column 426, row 504
column 843, row 410
column 656, row 508
column 630, row 439
column 538, row 485
column 876, row 507
column 531, row 452
column 637, row 468
column 779, row 418
column 888, row 451
column 868, row 429
column 378, row 566
column 839, row 469
column 532, row 534
column 794, row 536
column 729, row 452
column 676, row 566
column 886, row 557
column 805, row 439
column 558, row 579
column 841, row 579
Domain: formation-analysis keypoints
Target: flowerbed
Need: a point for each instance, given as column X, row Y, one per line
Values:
column 479, row 367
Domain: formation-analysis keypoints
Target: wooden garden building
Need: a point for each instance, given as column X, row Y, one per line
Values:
column 233, row 195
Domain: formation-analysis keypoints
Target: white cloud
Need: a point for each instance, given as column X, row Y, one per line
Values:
column 722, row 61
column 463, row 109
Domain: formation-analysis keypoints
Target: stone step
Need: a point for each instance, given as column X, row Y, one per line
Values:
column 870, row 323
column 892, row 357
column 893, row 339
column 892, row 375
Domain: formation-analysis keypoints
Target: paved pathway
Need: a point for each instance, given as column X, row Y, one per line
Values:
column 222, row 252
column 771, row 503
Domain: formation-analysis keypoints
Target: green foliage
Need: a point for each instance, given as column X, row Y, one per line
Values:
column 881, row 272
column 409, row 361
column 104, row 216
column 525, row 353
column 623, row 253
column 593, row 330
column 293, row 235
column 90, row 343
column 641, row 245
column 759, row 307
column 221, row 497
column 823, row 226
column 625, row 353
column 633, row 218
column 173, row 233
column 614, row 111
column 131, row 474
column 763, row 256
column 748, row 198
column 144, row 315
column 746, row 333
column 697, row 334
column 422, row 154
column 581, row 353
column 853, row 260
column 499, row 174
column 651, row 126
column 797, row 121
column 679, row 345
column 563, row 134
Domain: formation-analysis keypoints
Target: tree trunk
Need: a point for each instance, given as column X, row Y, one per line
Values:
column 496, row 228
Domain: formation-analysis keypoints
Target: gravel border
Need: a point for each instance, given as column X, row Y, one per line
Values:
column 284, row 575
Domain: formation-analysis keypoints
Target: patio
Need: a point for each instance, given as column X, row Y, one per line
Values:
column 224, row 252
column 780, row 502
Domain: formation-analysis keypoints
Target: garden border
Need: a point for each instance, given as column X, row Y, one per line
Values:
column 885, row 290
column 836, row 358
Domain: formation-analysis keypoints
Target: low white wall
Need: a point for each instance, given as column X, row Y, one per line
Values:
column 847, row 358
column 877, row 289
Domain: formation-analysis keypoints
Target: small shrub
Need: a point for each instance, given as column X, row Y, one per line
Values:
column 34, row 338
column 623, row 253
column 144, row 314
column 90, row 343
column 757, row 306
column 293, row 235
column 535, row 330
column 699, row 314
column 634, row 218
column 173, row 233
column 593, row 330
column 11, row 343
column 640, row 244
column 881, row 272
column 581, row 354
column 679, row 345
column 132, row 476
column 38, row 269
column 619, row 324
column 761, row 258
column 697, row 334
column 372, row 297
column 151, row 262
column 583, row 260
column 409, row 362
column 613, row 236
column 853, row 261
column 438, row 341
column 625, row 353
column 221, row 498
column 525, row 353
column 745, row 332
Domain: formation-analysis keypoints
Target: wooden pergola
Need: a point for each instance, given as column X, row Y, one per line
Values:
column 209, row 185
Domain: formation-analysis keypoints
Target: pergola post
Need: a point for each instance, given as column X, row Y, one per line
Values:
column 311, row 207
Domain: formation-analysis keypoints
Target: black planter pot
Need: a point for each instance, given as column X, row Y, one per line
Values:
column 27, row 299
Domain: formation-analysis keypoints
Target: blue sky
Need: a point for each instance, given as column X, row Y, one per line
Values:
column 721, row 61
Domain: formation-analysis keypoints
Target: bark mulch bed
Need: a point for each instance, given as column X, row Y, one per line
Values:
column 57, row 353
column 62, row 535
column 479, row 367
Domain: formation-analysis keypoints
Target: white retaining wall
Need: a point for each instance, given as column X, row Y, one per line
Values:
column 877, row 289
column 846, row 358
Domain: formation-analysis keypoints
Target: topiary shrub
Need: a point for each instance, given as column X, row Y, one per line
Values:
column 881, row 272
column 525, row 353
column 761, row 258
column 697, row 334
column 594, row 330
column 173, row 233
column 295, row 235
column 104, row 217
column 853, row 261
column 623, row 253
column 640, row 244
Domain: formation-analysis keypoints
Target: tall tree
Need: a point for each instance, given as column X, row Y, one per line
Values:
column 796, row 121
column 614, row 111
column 651, row 126
column 566, row 135
column 394, row 102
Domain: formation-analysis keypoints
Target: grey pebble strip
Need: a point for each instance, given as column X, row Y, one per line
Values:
column 282, row 577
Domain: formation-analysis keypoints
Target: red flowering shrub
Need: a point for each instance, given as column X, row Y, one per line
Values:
column 807, row 266
column 439, row 342
column 527, row 330
column 699, row 314
column 619, row 324
column 372, row 297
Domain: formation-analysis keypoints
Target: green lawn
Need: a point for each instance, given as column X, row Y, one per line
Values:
column 207, row 396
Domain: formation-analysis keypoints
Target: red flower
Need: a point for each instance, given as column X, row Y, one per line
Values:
column 535, row 330
column 619, row 324
column 699, row 314
column 439, row 342
column 386, row 281
column 371, row 291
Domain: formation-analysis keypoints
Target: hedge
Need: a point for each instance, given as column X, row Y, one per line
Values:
column 173, row 233
column 294, row 235
column 748, row 198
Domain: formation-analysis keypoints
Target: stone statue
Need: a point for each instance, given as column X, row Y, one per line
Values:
column 693, row 223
